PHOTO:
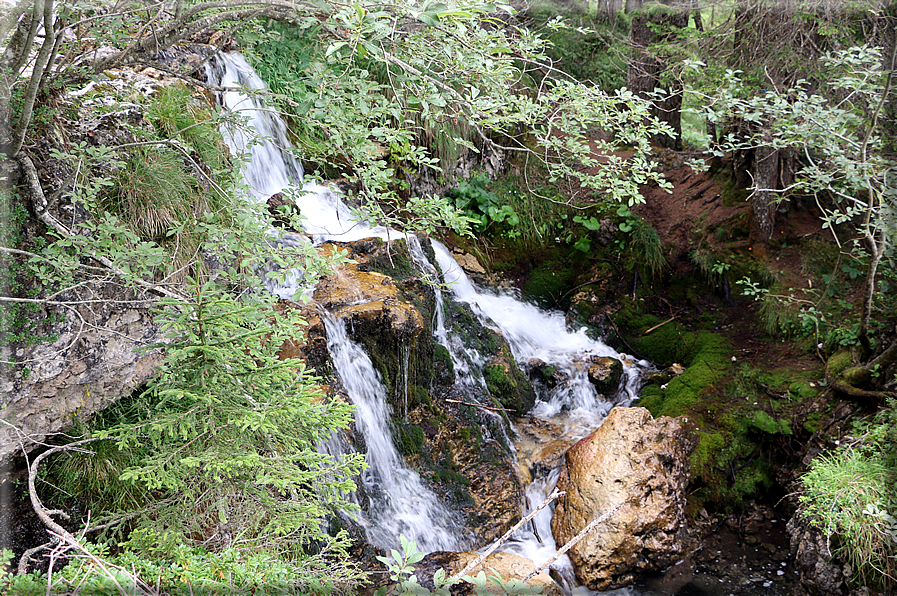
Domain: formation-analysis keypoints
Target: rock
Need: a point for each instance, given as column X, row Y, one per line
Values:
column 282, row 209
column 642, row 465
column 469, row 263
column 605, row 374
column 507, row 565
column 819, row 573
column 84, row 369
column 507, row 384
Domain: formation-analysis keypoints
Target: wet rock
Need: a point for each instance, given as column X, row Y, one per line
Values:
column 282, row 209
column 642, row 465
column 605, row 374
column 507, row 565
column 541, row 446
column 379, row 314
column 507, row 383
column 820, row 574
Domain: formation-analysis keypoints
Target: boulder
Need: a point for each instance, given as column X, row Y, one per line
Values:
column 605, row 374
column 507, row 565
column 641, row 465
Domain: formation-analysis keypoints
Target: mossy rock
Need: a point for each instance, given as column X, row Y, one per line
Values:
column 408, row 438
column 605, row 375
column 507, row 384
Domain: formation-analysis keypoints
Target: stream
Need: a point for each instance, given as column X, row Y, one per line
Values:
column 398, row 501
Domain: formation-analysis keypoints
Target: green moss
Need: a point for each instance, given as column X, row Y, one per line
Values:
column 765, row 423
column 548, row 283
column 814, row 422
column 703, row 458
column 408, row 438
column 840, row 362
column 507, row 384
column 418, row 396
column 706, row 364
column 471, row 434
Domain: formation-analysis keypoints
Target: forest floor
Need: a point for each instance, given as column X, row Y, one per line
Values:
column 703, row 212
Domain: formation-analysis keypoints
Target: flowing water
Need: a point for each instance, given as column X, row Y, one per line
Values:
column 398, row 502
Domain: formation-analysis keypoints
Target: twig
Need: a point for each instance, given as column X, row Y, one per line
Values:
column 26, row 557
column 467, row 403
column 573, row 542
column 659, row 325
column 555, row 494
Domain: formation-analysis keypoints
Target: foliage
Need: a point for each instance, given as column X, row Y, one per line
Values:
column 485, row 207
column 231, row 431
column 849, row 494
column 838, row 140
column 357, row 90
column 178, row 569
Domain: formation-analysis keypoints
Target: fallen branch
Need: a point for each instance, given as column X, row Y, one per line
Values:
column 467, row 403
column 470, row 566
column 573, row 542
column 658, row 326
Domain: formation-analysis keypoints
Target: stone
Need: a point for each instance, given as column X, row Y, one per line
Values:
column 508, row 384
column 641, row 465
column 819, row 573
column 282, row 209
column 605, row 374
column 507, row 565
column 85, row 369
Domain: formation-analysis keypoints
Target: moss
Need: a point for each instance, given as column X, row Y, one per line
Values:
column 765, row 423
column 706, row 365
column 801, row 390
column 418, row 396
column 507, row 384
column 839, row 362
column 471, row 434
column 408, row 438
column 548, row 283
column 391, row 258
column 703, row 458
column 813, row 422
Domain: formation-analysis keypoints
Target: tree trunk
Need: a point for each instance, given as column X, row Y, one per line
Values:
column 632, row 5
column 646, row 68
column 763, row 200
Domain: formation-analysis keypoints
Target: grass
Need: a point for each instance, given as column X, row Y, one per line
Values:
column 162, row 191
column 849, row 493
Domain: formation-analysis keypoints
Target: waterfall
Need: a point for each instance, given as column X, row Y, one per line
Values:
column 399, row 501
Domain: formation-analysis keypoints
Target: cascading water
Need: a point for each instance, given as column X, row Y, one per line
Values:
column 399, row 502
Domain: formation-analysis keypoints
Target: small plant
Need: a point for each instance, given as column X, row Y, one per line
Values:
column 401, row 571
column 850, row 493
column 485, row 207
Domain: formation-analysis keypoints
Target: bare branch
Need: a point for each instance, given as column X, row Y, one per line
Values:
column 555, row 494
column 574, row 541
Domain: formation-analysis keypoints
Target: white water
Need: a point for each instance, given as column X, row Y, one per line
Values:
column 399, row 502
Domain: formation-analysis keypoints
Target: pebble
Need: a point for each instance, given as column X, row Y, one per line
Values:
column 780, row 572
column 767, row 584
